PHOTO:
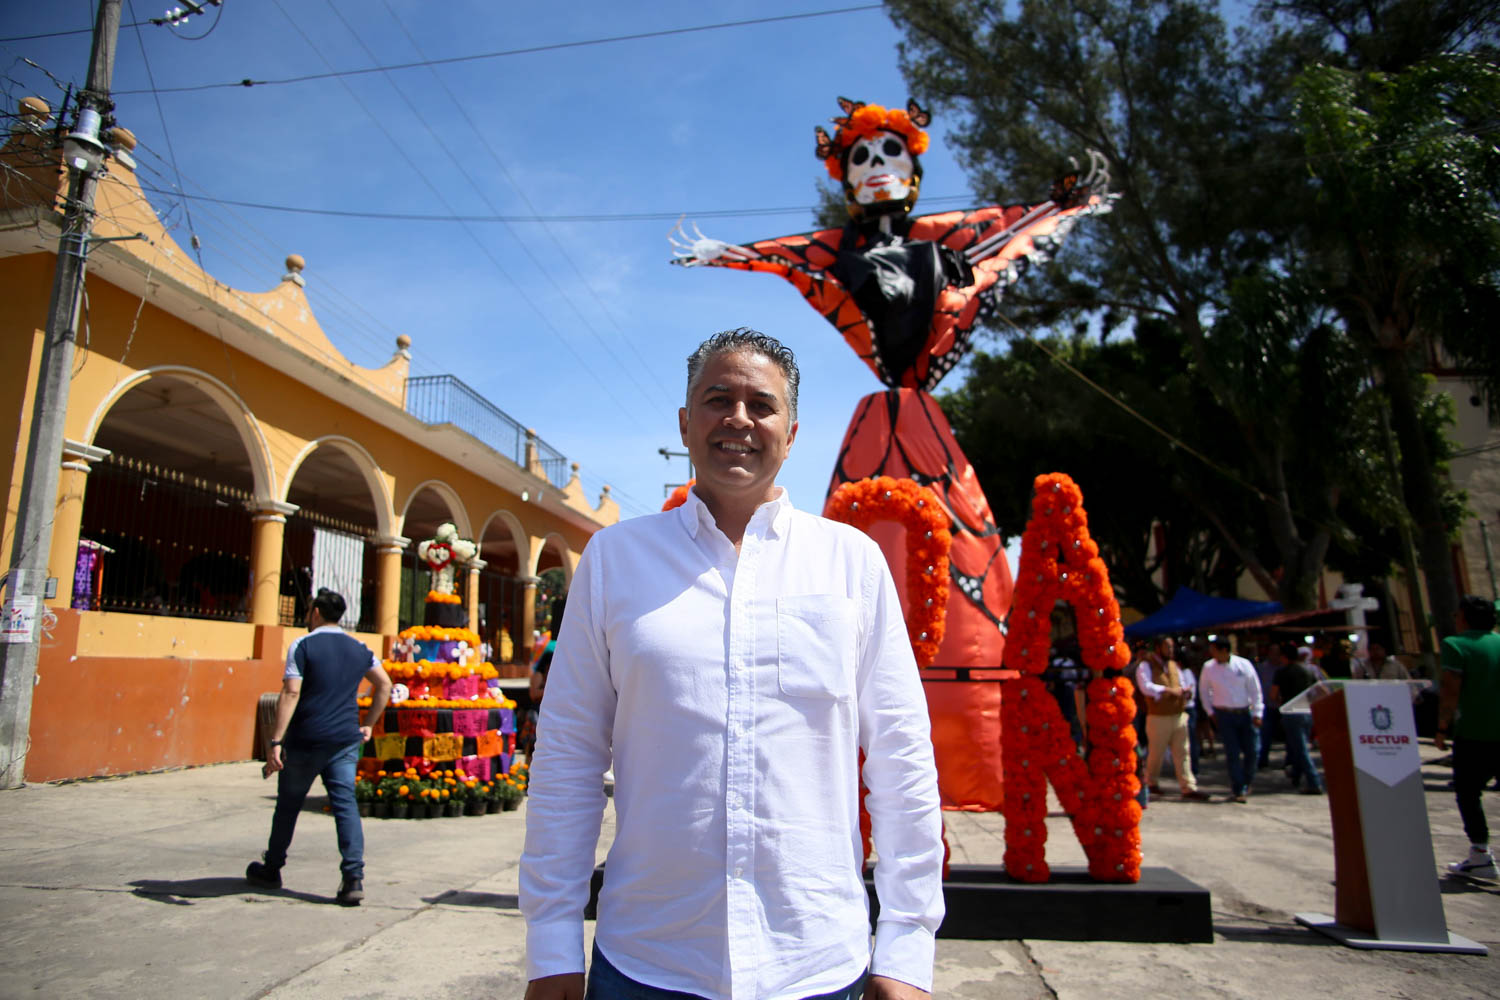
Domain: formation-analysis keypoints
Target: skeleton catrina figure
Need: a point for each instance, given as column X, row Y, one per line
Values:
column 905, row 293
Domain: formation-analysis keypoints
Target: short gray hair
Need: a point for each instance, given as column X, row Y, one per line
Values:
column 746, row 339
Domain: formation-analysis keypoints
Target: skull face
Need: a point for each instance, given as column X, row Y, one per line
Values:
column 879, row 169
column 399, row 693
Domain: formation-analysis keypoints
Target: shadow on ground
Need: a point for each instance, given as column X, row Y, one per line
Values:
column 1457, row 885
column 484, row 900
column 182, row 892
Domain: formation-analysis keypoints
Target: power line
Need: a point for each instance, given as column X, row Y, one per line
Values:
column 658, row 216
column 66, row 34
column 483, row 248
column 442, row 144
column 528, row 50
column 560, row 245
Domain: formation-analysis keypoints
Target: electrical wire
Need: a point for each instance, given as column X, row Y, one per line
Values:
column 656, row 216
column 165, row 132
column 519, row 289
column 528, row 50
column 560, row 245
column 1177, row 442
column 442, row 144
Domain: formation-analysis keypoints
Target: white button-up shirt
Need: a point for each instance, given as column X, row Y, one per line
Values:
column 1234, row 684
column 734, row 693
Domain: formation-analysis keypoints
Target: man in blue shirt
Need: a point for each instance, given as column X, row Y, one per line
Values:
column 318, row 734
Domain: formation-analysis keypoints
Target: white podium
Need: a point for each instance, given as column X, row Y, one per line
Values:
column 1386, row 894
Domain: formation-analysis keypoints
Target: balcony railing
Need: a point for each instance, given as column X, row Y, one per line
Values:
column 444, row 399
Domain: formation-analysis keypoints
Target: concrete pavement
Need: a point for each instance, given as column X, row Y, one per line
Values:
column 133, row 887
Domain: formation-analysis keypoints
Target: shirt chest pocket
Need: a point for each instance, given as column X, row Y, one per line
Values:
column 816, row 643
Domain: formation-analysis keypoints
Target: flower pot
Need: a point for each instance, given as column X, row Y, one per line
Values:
column 454, row 808
column 492, row 805
column 380, row 810
column 400, row 809
column 474, row 808
column 364, row 808
column 510, row 805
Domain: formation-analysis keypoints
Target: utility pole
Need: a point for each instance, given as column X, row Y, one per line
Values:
column 669, row 455
column 84, row 154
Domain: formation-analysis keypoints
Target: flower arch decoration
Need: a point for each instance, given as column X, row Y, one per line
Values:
column 928, row 539
column 1059, row 561
column 678, row 497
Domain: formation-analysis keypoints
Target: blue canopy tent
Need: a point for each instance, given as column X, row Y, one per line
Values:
column 1190, row 611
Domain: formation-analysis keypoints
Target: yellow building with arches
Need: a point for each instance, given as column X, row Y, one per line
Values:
column 224, row 459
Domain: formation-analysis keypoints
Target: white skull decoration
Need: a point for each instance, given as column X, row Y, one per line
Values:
column 880, row 169
column 399, row 693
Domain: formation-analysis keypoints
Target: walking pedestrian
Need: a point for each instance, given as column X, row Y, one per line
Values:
column 1168, row 689
column 1469, row 712
column 1232, row 698
column 1265, row 669
column 317, row 734
column 1292, row 678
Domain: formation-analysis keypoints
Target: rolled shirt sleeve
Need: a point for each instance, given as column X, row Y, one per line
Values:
column 1208, row 683
column 1252, row 688
column 1143, row 680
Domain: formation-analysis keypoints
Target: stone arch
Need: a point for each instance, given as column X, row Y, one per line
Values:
column 554, row 545
column 244, row 422
column 368, row 468
column 458, row 513
column 504, row 521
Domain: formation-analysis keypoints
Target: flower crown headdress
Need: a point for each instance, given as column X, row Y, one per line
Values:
column 863, row 121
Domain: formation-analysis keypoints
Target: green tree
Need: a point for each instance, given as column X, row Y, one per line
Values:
column 1208, row 199
column 1021, row 412
column 1383, row 36
column 1407, row 245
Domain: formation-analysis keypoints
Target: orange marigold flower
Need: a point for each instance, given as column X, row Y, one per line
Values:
column 867, row 120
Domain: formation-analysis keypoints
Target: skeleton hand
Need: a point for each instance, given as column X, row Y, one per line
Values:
column 699, row 249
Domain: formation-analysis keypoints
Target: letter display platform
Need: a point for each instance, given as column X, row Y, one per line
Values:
column 985, row 904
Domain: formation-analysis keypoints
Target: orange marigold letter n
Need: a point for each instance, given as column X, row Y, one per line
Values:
column 1059, row 561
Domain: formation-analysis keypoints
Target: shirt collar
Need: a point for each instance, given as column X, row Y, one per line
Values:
column 326, row 626
column 770, row 517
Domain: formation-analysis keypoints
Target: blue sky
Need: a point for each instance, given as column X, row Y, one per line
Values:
column 578, row 328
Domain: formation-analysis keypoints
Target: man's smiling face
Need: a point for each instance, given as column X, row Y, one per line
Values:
column 737, row 427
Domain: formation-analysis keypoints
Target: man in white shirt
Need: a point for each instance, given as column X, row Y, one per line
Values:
column 1231, row 695
column 1379, row 666
column 732, row 658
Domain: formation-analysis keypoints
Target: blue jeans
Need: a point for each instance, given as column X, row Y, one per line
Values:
column 1271, row 727
column 1295, row 727
column 336, row 765
column 1195, row 742
column 608, row 983
column 1475, row 762
column 1241, row 746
